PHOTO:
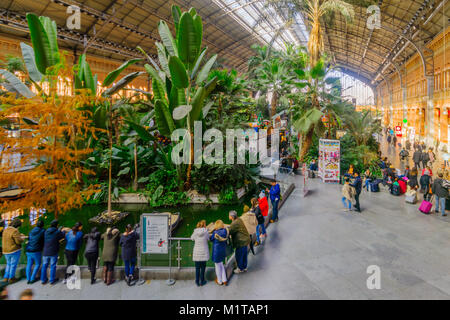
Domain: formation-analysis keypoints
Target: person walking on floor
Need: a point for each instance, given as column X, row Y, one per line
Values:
column 425, row 184
column 200, row 254
column 240, row 239
column 357, row 184
column 431, row 156
column 441, row 193
column 417, row 156
column 219, row 238
column 91, row 251
column 52, row 237
column 260, row 228
column 128, row 242
column 109, row 254
column 12, row 246
column 34, row 251
column 274, row 194
column 412, row 178
column 74, row 238
column 348, row 193
column 425, row 157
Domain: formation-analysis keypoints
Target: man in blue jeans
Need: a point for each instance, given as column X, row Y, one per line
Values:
column 12, row 246
column 240, row 239
column 441, row 193
column 34, row 251
column 52, row 237
column 274, row 193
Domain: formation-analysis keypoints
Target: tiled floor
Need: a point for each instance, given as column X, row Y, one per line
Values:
column 317, row 251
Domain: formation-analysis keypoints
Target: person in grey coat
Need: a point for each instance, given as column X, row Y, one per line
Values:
column 91, row 251
column 200, row 253
column 109, row 255
column 417, row 156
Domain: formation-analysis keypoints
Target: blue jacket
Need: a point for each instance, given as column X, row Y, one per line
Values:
column 51, row 241
column 275, row 192
column 219, row 247
column 35, row 240
column 313, row 166
column 357, row 184
column 73, row 241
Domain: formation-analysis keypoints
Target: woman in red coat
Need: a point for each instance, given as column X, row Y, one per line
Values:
column 263, row 204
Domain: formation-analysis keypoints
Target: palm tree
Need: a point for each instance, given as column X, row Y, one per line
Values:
column 362, row 126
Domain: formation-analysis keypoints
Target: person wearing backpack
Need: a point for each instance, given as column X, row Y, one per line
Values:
column 441, row 193
column 425, row 157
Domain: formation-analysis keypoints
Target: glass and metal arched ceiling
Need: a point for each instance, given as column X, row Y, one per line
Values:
column 269, row 26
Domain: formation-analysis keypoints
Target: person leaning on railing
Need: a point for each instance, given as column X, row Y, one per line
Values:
column 12, row 246
column 240, row 239
column 219, row 238
column 200, row 254
column 109, row 254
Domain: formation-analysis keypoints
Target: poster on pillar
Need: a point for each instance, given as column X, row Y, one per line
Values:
column 329, row 160
column 398, row 131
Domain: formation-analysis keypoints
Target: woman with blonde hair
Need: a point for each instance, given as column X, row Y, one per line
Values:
column 219, row 238
column 200, row 254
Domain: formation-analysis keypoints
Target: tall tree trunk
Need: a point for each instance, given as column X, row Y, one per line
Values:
column 273, row 104
column 135, row 183
column 187, row 184
column 110, row 136
column 307, row 142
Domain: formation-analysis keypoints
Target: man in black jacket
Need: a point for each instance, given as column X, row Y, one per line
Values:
column 52, row 237
column 424, row 158
column 417, row 156
column 357, row 184
column 34, row 251
column 441, row 193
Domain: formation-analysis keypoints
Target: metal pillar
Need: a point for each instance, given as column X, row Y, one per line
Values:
column 429, row 130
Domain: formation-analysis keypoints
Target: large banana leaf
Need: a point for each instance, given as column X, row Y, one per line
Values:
column 44, row 56
column 198, row 26
column 187, row 41
column 198, row 63
column 176, row 14
column 122, row 83
column 16, row 84
column 203, row 74
column 167, row 39
column 162, row 58
column 177, row 98
column 101, row 116
column 163, row 119
column 141, row 131
column 28, row 57
column 197, row 105
column 52, row 34
column 178, row 73
column 155, row 65
column 157, row 83
column 114, row 74
column 88, row 81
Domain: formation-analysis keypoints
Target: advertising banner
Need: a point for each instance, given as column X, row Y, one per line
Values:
column 329, row 160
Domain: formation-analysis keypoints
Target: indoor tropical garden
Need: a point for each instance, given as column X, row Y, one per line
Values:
column 114, row 115
column 85, row 150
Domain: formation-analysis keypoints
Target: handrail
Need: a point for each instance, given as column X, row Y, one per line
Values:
column 178, row 238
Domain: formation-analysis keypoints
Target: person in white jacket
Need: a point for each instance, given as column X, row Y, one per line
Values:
column 200, row 254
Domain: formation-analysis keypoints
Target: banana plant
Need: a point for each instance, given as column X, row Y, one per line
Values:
column 180, row 81
column 40, row 59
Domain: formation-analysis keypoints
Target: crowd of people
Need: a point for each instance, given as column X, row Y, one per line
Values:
column 238, row 236
column 43, row 245
column 410, row 181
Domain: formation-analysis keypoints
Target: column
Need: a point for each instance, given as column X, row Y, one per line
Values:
column 429, row 121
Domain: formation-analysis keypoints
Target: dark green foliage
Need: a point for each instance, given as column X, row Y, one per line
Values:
column 163, row 189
